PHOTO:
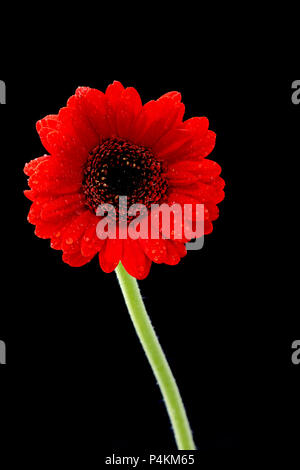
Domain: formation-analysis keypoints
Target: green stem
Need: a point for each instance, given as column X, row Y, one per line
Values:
column 157, row 359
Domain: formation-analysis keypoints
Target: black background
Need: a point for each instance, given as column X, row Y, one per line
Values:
column 76, row 377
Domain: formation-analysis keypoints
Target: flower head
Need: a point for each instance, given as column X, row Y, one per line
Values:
column 103, row 146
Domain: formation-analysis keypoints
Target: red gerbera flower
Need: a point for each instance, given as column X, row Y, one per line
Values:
column 104, row 145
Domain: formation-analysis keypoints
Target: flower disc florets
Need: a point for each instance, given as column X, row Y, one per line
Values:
column 120, row 168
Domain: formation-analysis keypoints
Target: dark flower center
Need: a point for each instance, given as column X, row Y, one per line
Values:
column 119, row 168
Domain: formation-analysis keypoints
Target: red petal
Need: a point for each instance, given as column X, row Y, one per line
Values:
column 30, row 194
column 213, row 211
column 180, row 247
column 208, row 227
column 128, row 109
column 203, row 169
column 34, row 213
column 90, row 243
column 207, row 145
column 172, row 257
column 56, row 176
column 181, row 198
column 203, row 193
column 75, row 260
column 180, row 176
column 49, row 121
column 155, row 249
column 199, row 145
column 91, row 103
column 172, row 142
column 158, row 118
column 110, row 255
column 79, row 126
column 49, row 229
column 59, row 139
column 113, row 96
column 62, row 206
column 31, row 167
column 73, row 232
column 134, row 260
column 114, row 92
